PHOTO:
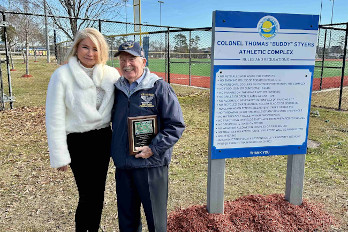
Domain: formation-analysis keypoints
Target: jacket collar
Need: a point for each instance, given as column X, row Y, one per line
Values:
column 147, row 83
column 83, row 80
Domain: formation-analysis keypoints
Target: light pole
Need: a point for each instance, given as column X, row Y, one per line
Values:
column 321, row 9
column 46, row 32
column 125, row 8
column 332, row 11
column 160, row 2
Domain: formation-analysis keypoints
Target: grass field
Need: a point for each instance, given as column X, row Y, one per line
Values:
column 158, row 65
column 334, row 70
column 35, row 197
column 203, row 69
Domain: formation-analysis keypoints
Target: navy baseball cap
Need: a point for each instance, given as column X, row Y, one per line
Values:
column 130, row 47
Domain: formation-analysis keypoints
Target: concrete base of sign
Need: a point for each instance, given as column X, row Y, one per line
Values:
column 216, row 182
column 294, row 179
column 312, row 144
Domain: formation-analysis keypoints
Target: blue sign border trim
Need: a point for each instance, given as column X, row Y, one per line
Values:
column 250, row 20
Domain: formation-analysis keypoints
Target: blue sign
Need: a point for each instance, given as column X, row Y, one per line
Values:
column 262, row 73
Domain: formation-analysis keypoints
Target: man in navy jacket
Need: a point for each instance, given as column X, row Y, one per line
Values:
column 143, row 178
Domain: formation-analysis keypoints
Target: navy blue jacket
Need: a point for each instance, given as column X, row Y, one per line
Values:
column 152, row 96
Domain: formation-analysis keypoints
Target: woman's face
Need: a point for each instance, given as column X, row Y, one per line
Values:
column 87, row 53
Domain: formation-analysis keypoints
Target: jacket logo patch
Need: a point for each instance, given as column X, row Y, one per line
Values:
column 147, row 98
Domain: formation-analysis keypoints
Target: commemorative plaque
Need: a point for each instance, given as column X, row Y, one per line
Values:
column 141, row 131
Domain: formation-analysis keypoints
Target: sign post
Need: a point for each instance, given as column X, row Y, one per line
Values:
column 216, row 182
column 216, row 167
column 294, row 178
column 261, row 80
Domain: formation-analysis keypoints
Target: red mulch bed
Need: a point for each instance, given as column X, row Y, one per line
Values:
column 253, row 213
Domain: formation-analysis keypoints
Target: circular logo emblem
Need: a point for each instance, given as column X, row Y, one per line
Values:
column 268, row 27
column 128, row 45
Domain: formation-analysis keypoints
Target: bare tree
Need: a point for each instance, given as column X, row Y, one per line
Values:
column 180, row 43
column 27, row 6
column 27, row 29
column 11, row 41
column 26, row 33
column 194, row 43
column 82, row 9
column 120, row 40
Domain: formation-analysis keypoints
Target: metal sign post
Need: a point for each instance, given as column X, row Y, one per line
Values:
column 216, row 167
column 216, row 183
column 294, row 178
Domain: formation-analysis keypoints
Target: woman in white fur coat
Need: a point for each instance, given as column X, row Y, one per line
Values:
column 80, row 97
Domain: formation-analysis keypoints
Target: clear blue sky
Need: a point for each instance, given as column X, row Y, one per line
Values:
column 198, row 13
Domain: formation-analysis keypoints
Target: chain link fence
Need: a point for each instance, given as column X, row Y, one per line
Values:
column 25, row 32
column 331, row 68
column 189, row 57
column 179, row 55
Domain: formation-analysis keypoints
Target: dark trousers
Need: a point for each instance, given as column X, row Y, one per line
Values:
column 90, row 156
column 146, row 186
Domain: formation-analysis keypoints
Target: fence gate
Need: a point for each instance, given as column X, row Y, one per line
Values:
column 3, row 97
column 189, row 57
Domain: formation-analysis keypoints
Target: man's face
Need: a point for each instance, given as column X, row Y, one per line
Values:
column 132, row 67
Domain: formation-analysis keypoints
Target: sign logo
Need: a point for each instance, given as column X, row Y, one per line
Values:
column 268, row 27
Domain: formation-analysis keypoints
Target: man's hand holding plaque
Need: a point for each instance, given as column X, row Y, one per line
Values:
column 141, row 131
column 144, row 152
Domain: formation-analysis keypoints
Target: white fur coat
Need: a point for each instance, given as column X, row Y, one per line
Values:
column 71, row 105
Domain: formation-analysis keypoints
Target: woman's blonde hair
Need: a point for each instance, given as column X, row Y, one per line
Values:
column 97, row 38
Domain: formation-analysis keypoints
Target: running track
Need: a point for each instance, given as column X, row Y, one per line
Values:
column 204, row 82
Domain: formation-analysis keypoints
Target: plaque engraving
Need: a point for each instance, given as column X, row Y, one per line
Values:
column 141, row 131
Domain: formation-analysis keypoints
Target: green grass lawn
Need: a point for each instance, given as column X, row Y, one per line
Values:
column 34, row 197
column 159, row 65
column 334, row 70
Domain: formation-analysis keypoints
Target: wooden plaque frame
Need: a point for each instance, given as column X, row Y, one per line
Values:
column 141, row 131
